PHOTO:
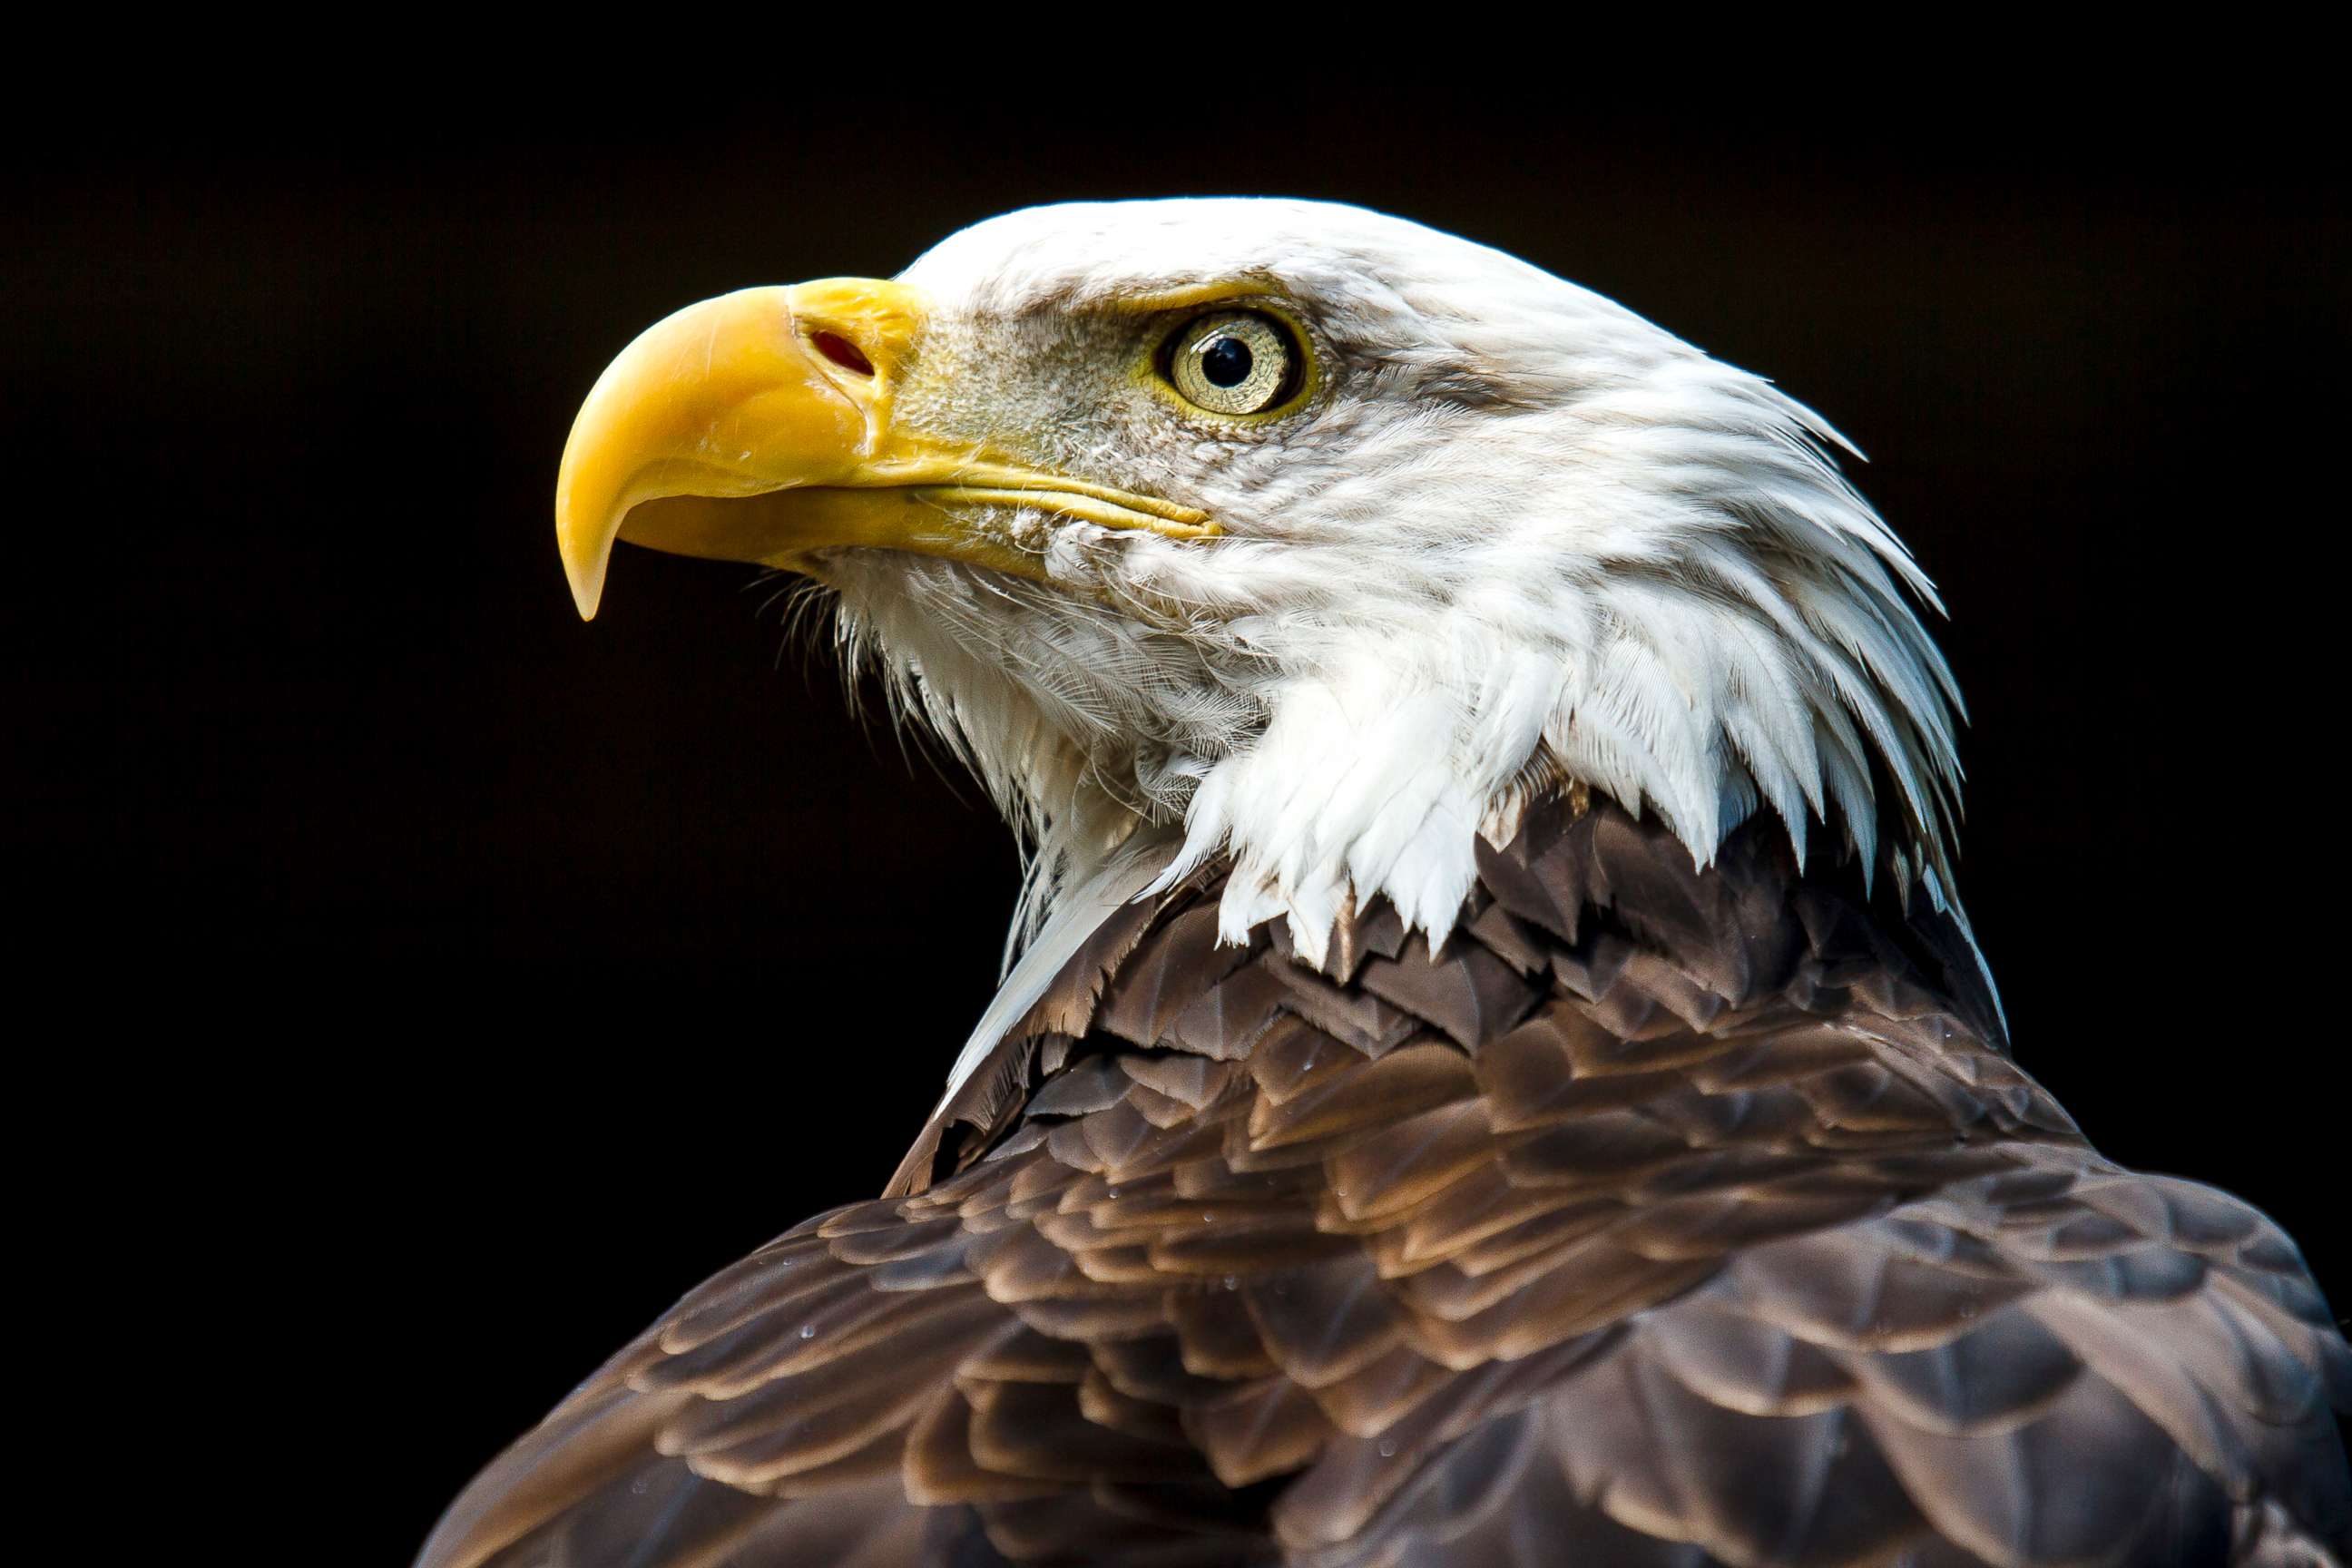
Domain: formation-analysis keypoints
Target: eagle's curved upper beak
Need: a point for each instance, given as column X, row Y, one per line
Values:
column 759, row 427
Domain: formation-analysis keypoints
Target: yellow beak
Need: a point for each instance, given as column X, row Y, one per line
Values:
column 757, row 427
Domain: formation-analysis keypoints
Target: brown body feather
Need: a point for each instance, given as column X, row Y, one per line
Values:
column 1665, row 1217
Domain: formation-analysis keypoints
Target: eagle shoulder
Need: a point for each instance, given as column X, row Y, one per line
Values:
column 1666, row 1216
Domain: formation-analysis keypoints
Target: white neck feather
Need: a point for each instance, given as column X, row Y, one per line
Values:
column 1746, row 645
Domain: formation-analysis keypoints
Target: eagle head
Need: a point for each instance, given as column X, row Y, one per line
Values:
column 1300, row 534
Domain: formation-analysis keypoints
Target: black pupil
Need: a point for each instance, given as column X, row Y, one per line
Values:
column 1226, row 361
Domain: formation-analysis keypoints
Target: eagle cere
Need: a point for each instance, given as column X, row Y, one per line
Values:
column 1495, row 1068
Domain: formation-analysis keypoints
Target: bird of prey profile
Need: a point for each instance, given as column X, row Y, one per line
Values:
column 1494, row 1069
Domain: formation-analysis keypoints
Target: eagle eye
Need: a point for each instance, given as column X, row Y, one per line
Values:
column 1235, row 362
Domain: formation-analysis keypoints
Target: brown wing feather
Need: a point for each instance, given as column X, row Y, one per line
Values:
column 1666, row 1218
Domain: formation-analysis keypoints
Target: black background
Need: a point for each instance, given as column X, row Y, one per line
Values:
column 442, row 985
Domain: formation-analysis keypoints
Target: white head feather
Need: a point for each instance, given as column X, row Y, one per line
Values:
column 1519, row 538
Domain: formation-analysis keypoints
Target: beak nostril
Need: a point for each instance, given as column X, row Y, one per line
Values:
column 841, row 351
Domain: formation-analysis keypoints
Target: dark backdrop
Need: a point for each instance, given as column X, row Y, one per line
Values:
column 442, row 985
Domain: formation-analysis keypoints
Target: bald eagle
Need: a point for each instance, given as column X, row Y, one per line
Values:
column 1493, row 1068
